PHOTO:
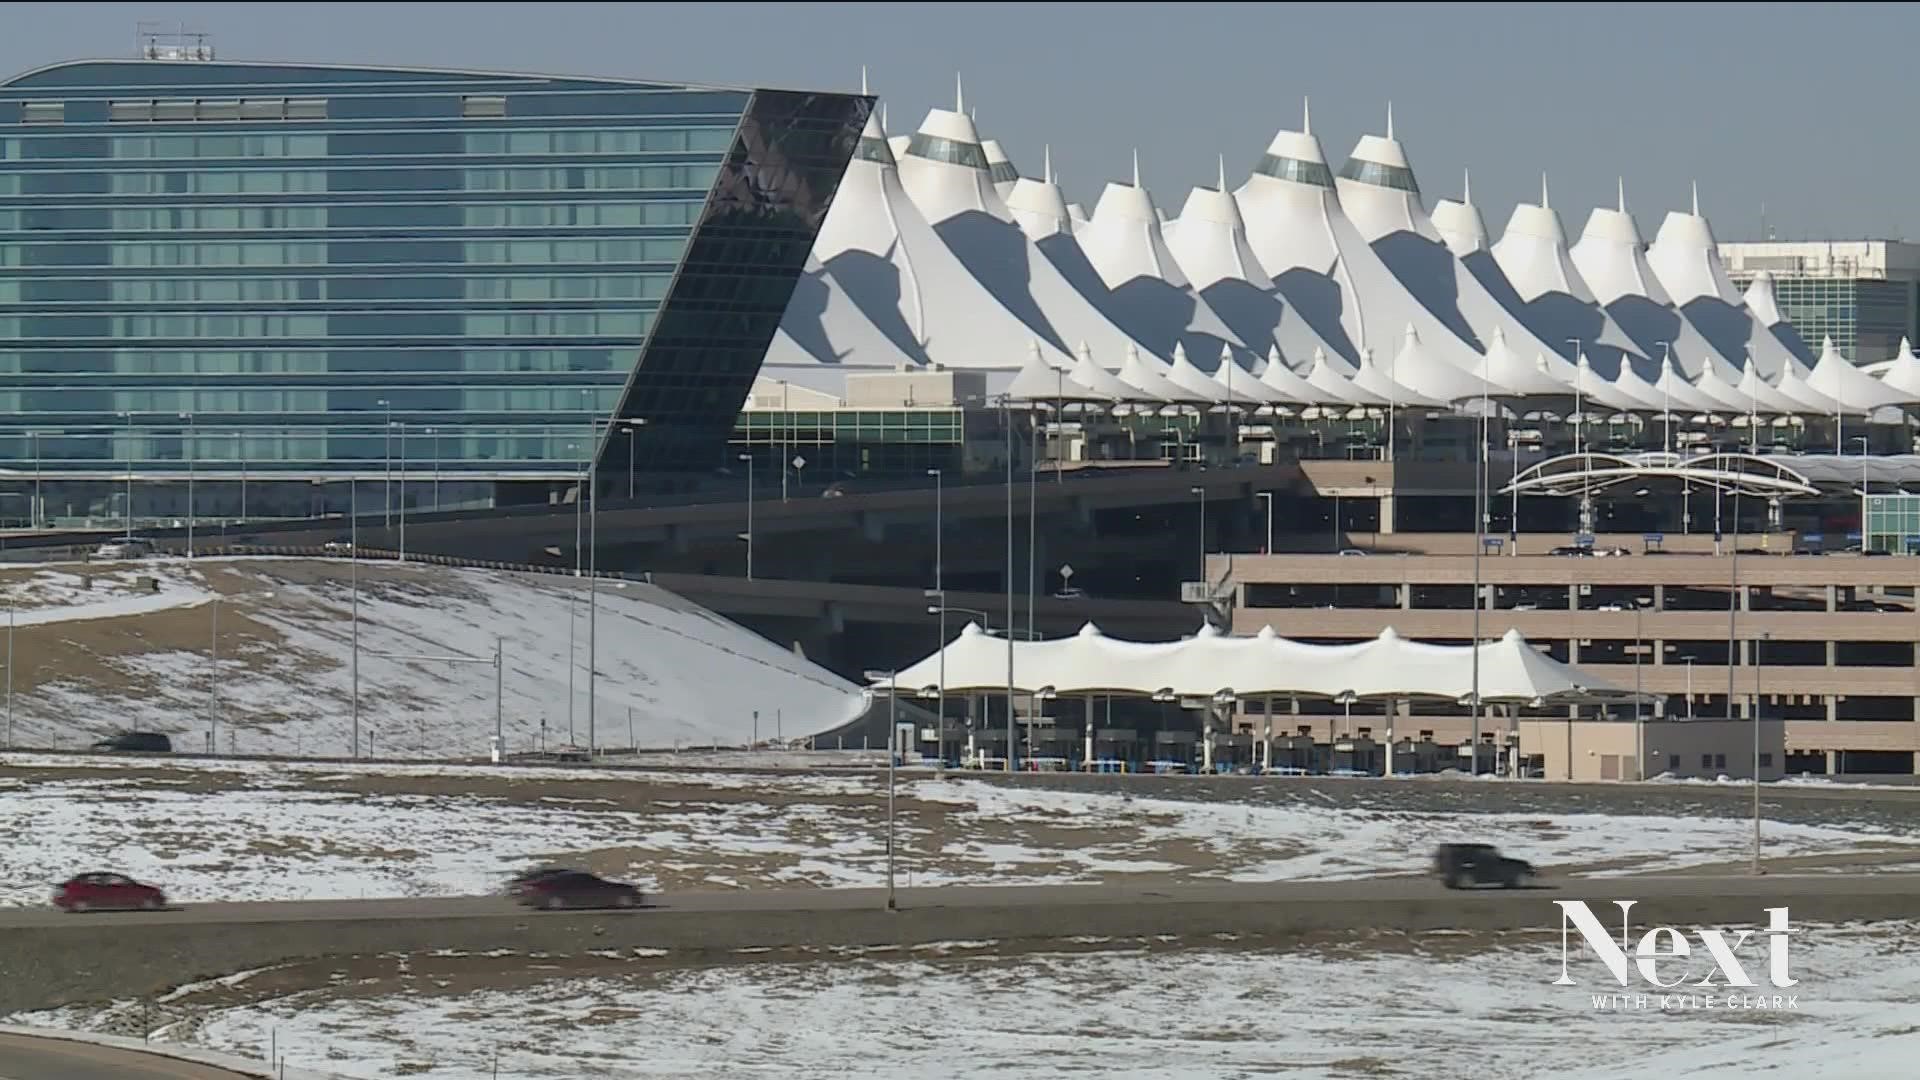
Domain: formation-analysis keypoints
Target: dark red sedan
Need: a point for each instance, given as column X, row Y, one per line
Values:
column 107, row 892
column 575, row 889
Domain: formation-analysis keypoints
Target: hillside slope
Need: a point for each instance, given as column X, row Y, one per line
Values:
column 104, row 648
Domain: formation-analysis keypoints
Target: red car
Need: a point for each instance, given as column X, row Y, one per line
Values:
column 575, row 889
column 108, row 892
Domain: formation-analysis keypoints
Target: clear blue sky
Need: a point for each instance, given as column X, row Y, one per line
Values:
column 1805, row 108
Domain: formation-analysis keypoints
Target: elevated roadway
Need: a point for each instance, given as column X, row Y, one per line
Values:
column 46, row 1057
column 49, row 959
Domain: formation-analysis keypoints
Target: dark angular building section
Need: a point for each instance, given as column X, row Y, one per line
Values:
column 734, row 282
column 289, row 288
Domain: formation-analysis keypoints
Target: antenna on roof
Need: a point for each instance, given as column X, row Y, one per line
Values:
column 1136, row 167
column 959, row 95
column 1223, row 172
column 1544, row 204
column 1622, row 181
column 1389, row 119
column 1306, row 116
column 1696, row 198
column 1466, row 191
column 863, row 80
column 883, row 116
column 1046, row 162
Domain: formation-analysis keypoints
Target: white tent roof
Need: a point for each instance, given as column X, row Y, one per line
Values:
column 1687, row 261
column 1380, row 195
column 1761, row 396
column 1903, row 373
column 1811, row 402
column 1150, row 376
column 1038, row 208
column 1733, row 402
column 1210, row 663
column 1184, row 375
column 1041, row 381
column 1676, row 392
column 1370, row 378
column 1153, row 300
column 1322, row 264
column 882, row 256
column 1760, row 300
column 1209, row 241
column 1000, row 170
column 1335, row 384
column 1101, row 381
column 1413, row 367
column 1612, row 261
column 824, row 325
column 1836, row 377
column 1559, row 304
column 1460, row 223
column 1242, row 386
column 1629, row 382
column 1521, row 376
column 1289, row 383
column 1609, row 393
column 946, row 176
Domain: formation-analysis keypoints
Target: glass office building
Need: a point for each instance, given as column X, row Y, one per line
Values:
column 272, row 279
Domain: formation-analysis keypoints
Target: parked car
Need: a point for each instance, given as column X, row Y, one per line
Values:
column 133, row 547
column 136, row 742
column 1351, row 552
column 107, row 892
column 339, row 545
column 1478, row 864
column 576, row 889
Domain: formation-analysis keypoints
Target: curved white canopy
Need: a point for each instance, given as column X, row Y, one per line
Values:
column 1836, row 377
column 1612, row 260
column 1675, row 392
column 1183, row 374
column 1460, row 223
column 1211, row 664
column 1732, row 401
column 1607, row 392
column 1761, row 395
column 1370, row 378
column 1242, row 386
column 1903, row 372
column 1150, row 377
column 1760, row 300
column 1101, row 381
column 1629, row 382
column 1811, row 402
column 1039, row 381
column 1414, row 367
column 1557, row 302
column 1686, row 259
column 1518, row 376
column 1335, row 383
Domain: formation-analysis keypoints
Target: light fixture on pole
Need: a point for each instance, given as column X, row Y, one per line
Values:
column 403, row 491
column 386, row 492
column 893, row 729
column 1202, row 493
column 129, row 418
column 353, row 570
column 1764, row 636
column 1267, row 497
column 1006, row 422
column 593, row 575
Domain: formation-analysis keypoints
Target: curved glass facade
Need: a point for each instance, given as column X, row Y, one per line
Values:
column 279, row 271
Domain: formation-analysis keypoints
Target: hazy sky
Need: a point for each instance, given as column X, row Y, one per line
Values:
column 1804, row 108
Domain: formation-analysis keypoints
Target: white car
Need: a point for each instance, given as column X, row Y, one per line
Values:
column 131, row 548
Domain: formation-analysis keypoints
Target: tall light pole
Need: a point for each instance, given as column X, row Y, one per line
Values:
column 188, row 417
column 1202, row 493
column 129, row 418
column 1006, row 422
column 940, row 587
column 1267, row 497
column 34, row 437
column 434, row 434
column 1033, row 514
column 1764, row 636
column 1865, row 547
column 403, row 491
column 386, row 492
column 748, row 458
column 573, row 594
column 893, row 728
column 593, row 573
column 1480, row 523
column 353, row 570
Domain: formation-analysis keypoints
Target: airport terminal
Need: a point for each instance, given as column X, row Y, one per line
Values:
column 856, row 389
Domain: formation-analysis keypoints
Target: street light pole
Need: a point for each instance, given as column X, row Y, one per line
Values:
column 386, row 492
column 188, row 417
column 213, row 721
column 403, row 491
column 129, row 416
column 748, row 458
column 1202, row 492
column 1479, row 542
column 353, row 570
column 593, row 586
column 1765, row 635
column 1267, row 496
column 893, row 729
column 940, row 587
column 1006, row 422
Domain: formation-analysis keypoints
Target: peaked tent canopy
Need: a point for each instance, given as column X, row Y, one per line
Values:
column 1903, row 373
column 1836, row 377
column 1211, row 664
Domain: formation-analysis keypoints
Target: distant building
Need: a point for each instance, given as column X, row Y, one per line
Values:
column 1864, row 294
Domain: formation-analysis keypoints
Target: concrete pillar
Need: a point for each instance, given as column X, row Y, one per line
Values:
column 1266, row 742
column 1386, row 514
column 1206, row 741
column 1833, row 763
column 1659, row 649
column 1393, row 708
column 1405, row 595
column 973, row 725
column 1833, row 598
column 1659, row 598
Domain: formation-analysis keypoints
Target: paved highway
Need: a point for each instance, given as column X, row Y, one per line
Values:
column 26, row 1058
column 1354, row 895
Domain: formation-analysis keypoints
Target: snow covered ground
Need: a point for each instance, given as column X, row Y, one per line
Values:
column 1436, row 1009
column 256, row 830
column 99, row 653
